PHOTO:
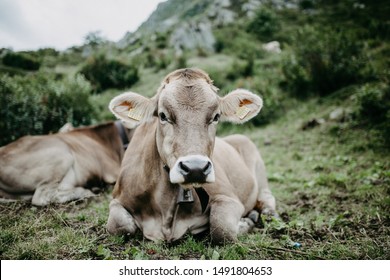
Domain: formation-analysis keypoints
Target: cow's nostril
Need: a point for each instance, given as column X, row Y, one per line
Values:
column 184, row 167
column 207, row 169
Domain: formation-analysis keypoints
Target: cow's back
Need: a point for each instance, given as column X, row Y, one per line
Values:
column 73, row 158
column 27, row 162
column 93, row 158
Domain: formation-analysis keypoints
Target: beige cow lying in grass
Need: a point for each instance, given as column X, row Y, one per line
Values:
column 177, row 176
column 62, row 167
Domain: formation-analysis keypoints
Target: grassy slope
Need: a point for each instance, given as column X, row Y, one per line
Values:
column 332, row 189
column 332, row 193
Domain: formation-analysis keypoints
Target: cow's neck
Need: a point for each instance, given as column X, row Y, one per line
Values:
column 153, row 198
column 122, row 133
column 187, row 196
column 183, row 196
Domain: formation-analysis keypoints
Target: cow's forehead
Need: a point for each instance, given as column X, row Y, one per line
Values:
column 195, row 94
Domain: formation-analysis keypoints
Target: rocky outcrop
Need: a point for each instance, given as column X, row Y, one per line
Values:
column 128, row 40
column 190, row 23
column 220, row 14
column 192, row 35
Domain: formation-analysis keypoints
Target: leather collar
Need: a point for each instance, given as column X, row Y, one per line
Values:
column 186, row 196
column 122, row 133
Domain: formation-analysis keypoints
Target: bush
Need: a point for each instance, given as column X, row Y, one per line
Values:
column 373, row 109
column 39, row 105
column 272, row 107
column 240, row 69
column 264, row 25
column 232, row 41
column 21, row 60
column 104, row 73
column 181, row 61
column 324, row 61
column 296, row 77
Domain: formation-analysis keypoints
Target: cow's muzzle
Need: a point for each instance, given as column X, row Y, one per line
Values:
column 192, row 169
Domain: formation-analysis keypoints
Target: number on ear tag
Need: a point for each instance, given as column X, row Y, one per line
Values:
column 134, row 114
column 242, row 112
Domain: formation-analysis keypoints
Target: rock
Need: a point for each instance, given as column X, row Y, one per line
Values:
column 267, row 142
column 220, row 14
column 312, row 123
column 337, row 115
column 251, row 7
column 128, row 40
column 66, row 128
column 193, row 35
column 273, row 46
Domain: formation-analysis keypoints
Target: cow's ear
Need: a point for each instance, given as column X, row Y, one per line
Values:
column 240, row 106
column 132, row 108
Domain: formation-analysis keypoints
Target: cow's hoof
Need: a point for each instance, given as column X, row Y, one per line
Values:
column 270, row 213
column 254, row 216
column 245, row 225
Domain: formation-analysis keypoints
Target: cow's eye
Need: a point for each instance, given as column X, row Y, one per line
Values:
column 163, row 117
column 216, row 118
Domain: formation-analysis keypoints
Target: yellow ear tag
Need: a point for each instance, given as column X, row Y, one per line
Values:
column 135, row 114
column 242, row 112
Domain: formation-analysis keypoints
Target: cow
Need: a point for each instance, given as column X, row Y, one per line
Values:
column 61, row 167
column 177, row 177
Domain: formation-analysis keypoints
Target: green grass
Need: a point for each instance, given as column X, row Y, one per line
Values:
column 331, row 182
column 332, row 193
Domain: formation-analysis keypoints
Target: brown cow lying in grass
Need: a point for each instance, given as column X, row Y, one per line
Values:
column 176, row 176
column 62, row 167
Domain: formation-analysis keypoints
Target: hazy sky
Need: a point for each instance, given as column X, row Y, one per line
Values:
column 33, row 24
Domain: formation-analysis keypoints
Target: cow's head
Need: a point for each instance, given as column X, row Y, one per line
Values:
column 188, row 109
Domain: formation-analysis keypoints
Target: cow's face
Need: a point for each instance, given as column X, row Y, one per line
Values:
column 188, row 109
column 188, row 113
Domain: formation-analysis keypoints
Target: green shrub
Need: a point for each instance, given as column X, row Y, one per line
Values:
column 161, row 40
column 240, row 69
column 296, row 76
column 233, row 41
column 21, row 60
column 104, row 73
column 264, row 25
column 38, row 104
column 373, row 109
column 181, row 61
column 272, row 107
column 324, row 61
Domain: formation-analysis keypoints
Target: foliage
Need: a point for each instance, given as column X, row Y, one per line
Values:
column 21, row 60
column 233, row 41
column 181, row 61
column 373, row 110
column 368, row 18
column 94, row 39
column 324, row 61
column 161, row 40
column 105, row 73
column 264, row 25
column 243, row 69
column 156, row 59
column 40, row 105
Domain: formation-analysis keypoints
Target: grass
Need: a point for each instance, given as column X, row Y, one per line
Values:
column 332, row 189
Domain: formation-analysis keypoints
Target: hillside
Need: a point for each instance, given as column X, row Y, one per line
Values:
column 324, row 131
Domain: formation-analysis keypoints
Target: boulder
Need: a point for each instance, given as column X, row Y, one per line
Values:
column 192, row 35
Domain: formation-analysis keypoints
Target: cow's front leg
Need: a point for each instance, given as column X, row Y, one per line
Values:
column 226, row 221
column 120, row 221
